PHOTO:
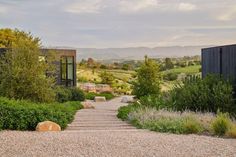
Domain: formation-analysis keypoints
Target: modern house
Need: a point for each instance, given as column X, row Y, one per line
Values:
column 220, row 60
column 66, row 65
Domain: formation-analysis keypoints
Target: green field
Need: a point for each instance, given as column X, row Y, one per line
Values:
column 187, row 70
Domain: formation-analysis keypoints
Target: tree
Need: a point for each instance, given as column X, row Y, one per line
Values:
column 107, row 78
column 125, row 67
column 90, row 62
column 168, row 64
column 22, row 72
column 148, row 79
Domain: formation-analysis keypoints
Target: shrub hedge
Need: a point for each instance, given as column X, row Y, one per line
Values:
column 210, row 94
column 91, row 95
column 25, row 115
column 64, row 94
column 123, row 111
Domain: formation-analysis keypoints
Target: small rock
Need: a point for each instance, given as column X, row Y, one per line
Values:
column 48, row 126
column 100, row 99
column 87, row 105
column 127, row 99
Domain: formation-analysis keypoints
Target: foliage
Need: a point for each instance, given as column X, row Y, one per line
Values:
column 77, row 94
column 25, row 115
column 125, row 67
column 82, row 79
column 22, row 73
column 91, row 95
column 171, row 76
column 168, row 121
column 123, row 111
column 192, row 126
column 64, row 94
column 168, row 64
column 107, row 78
column 208, row 94
column 221, row 124
column 157, row 102
column 232, row 131
column 148, row 79
column 187, row 70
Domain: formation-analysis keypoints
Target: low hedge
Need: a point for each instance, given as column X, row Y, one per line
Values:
column 123, row 111
column 25, row 115
column 91, row 96
column 64, row 94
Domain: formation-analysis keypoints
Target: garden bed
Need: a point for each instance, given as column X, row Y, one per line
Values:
column 25, row 115
column 186, row 122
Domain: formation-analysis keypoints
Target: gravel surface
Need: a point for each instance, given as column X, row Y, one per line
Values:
column 112, row 144
column 113, row 141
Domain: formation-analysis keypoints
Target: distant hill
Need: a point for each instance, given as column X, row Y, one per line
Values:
column 137, row 53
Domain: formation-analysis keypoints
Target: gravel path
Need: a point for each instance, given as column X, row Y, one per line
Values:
column 97, row 142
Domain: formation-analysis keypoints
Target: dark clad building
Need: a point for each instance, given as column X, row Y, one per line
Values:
column 66, row 65
column 220, row 60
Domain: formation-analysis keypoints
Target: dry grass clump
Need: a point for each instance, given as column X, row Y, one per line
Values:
column 186, row 122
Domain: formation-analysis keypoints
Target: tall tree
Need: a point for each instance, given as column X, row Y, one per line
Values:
column 148, row 79
column 22, row 71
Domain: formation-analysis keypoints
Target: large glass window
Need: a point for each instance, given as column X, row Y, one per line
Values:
column 67, row 71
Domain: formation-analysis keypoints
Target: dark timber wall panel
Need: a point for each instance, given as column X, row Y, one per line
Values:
column 220, row 60
column 210, row 61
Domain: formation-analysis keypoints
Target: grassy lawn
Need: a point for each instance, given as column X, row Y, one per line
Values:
column 187, row 70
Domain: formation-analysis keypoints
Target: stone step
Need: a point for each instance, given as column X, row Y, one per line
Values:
column 99, row 125
column 98, row 122
column 95, row 118
column 100, row 128
column 96, row 115
column 95, row 131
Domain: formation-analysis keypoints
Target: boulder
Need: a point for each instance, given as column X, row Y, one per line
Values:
column 127, row 99
column 48, row 126
column 100, row 99
column 87, row 105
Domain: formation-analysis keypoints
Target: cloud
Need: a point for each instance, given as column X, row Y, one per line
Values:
column 86, row 6
column 134, row 6
column 129, row 6
column 228, row 15
column 3, row 9
column 186, row 7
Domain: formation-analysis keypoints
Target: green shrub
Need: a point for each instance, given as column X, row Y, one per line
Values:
column 171, row 76
column 63, row 94
column 91, row 96
column 153, row 102
column 148, row 79
column 25, row 115
column 77, row 94
column 221, row 124
column 165, row 125
column 208, row 95
column 192, row 126
column 123, row 111
column 232, row 131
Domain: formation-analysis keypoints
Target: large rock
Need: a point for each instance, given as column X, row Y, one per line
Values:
column 100, row 99
column 48, row 126
column 127, row 99
column 87, row 105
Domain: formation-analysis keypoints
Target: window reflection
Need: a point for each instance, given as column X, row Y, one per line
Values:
column 67, row 71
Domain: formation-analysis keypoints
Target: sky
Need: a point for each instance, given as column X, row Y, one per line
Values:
column 123, row 23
